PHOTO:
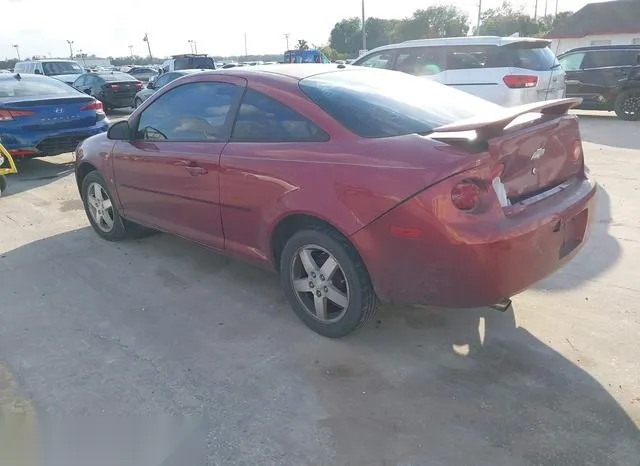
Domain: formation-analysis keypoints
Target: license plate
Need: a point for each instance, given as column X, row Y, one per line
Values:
column 573, row 233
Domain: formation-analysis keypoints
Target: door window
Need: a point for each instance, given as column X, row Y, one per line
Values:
column 572, row 62
column 421, row 61
column 382, row 60
column 263, row 119
column 164, row 80
column 81, row 81
column 470, row 57
column 607, row 59
column 191, row 112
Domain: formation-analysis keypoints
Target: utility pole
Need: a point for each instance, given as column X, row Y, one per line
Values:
column 535, row 13
column 546, row 8
column 286, row 36
column 479, row 17
column 364, row 29
column 70, row 42
column 194, row 46
column 556, row 15
column 146, row 39
column 17, row 47
column 131, row 50
column 246, row 53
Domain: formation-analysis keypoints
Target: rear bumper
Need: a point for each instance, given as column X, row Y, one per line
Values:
column 48, row 143
column 472, row 263
column 118, row 101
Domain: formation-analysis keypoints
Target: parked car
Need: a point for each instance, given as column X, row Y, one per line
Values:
column 508, row 71
column 41, row 116
column 65, row 70
column 605, row 77
column 354, row 184
column 112, row 88
column 143, row 73
column 160, row 82
column 189, row 61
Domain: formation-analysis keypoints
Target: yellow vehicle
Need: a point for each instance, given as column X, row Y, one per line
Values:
column 7, row 166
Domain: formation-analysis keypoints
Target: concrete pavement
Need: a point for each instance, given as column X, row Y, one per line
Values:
column 159, row 327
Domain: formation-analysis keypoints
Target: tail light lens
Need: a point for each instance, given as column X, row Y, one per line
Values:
column 576, row 152
column 139, row 86
column 520, row 81
column 115, row 87
column 95, row 105
column 8, row 115
column 466, row 195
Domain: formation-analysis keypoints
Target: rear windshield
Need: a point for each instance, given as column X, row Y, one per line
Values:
column 192, row 63
column 111, row 77
column 55, row 68
column 529, row 56
column 379, row 103
column 31, row 86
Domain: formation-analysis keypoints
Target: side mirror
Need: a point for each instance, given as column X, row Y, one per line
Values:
column 37, row 72
column 151, row 85
column 120, row 131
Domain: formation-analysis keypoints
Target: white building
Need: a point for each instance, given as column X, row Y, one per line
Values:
column 609, row 23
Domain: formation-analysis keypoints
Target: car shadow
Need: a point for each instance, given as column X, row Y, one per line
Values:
column 600, row 252
column 609, row 130
column 36, row 172
column 419, row 385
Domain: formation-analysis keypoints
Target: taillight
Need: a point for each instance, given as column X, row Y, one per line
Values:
column 115, row 87
column 576, row 152
column 95, row 105
column 466, row 195
column 520, row 81
column 7, row 115
column 139, row 86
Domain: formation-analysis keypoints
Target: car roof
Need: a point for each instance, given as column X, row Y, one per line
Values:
column 298, row 71
column 466, row 40
column 591, row 48
column 40, row 60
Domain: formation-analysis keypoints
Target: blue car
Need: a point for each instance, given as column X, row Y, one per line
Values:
column 41, row 116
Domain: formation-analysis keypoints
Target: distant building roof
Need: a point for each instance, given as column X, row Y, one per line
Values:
column 615, row 17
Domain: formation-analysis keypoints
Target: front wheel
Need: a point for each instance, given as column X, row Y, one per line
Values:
column 100, row 208
column 3, row 184
column 627, row 105
column 326, row 283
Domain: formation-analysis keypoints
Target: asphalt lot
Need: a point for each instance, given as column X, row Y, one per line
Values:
column 137, row 334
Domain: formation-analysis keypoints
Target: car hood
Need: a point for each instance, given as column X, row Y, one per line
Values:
column 67, row 78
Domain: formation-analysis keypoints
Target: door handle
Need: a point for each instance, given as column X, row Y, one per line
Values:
column 195, row 170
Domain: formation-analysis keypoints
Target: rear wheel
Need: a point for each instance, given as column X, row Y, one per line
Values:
column 627, row 105
column 3, row 184
column 326, row 282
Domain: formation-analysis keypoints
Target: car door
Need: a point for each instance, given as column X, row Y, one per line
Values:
column 572, row 66
column 167, row 176
column 426, row 62
column 260, row 166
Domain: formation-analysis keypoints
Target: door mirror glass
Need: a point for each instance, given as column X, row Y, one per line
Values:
column 119, row 131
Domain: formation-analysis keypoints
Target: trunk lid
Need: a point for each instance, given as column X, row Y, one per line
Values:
column 40, row 113
column 533, row 147
column 122, row 88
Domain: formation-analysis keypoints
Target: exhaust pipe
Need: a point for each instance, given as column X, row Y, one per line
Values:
column 502, row 306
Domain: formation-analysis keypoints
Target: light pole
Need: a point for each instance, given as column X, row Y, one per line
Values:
column 70, row 42
column 479, row 17
column 286, row 36
column 246, row 53
column 364, row 29
column 194, row 46
column 146, row 39
column 131, row 50
column 17, row 47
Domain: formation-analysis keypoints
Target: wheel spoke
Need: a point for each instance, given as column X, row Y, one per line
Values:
column 320, row 304
column 329, row 268
column 93, row 202
column 97, row 192
column 106, row 204
column 337, row 296
column 308, row 262
column 108, row 221
column 302, row 285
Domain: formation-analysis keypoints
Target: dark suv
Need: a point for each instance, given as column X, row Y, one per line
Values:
column 606, row 77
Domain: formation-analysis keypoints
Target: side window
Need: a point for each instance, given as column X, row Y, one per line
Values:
column 470, row 57
column 572, row 62
column 263, row 119
column 19, row 68
column 607, row 58
column 192, row 112
column 421, row 61
column 382, row 60
column 81, row 81
column 164, row 80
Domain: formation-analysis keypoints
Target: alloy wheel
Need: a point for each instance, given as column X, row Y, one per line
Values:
column 319, row 283
column 100, row 207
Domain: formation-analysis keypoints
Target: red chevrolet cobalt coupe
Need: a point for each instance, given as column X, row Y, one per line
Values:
column 356, row 185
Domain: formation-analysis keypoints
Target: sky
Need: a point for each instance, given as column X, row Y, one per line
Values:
column 107, row 28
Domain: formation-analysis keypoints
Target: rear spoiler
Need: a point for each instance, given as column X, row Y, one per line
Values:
column 487, row 126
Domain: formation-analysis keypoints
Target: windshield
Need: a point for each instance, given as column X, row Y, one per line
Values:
column 531, row 57
column 55, row 68
column 379, row 103
column 192, row 63
column 33, row 87
column 111, row 77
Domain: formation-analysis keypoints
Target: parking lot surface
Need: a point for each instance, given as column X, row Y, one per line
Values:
column 162, row 327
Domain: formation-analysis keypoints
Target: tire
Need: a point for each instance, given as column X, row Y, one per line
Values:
column 3, row 184
column 626, row 100
column 114, row 232
column 350, row 275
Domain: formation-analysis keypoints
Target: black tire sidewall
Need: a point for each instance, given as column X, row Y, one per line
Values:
column 118, row 231
column 357, row 278
column 619, row 104
column 3, row 184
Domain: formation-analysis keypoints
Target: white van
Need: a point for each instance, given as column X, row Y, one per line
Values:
column 505, row 70
column 64, row 70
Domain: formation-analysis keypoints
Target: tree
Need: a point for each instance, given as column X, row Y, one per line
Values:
column 434, row 21
column 380, row 32
column 302, row 45
column 346, row 36
column 507, row 20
